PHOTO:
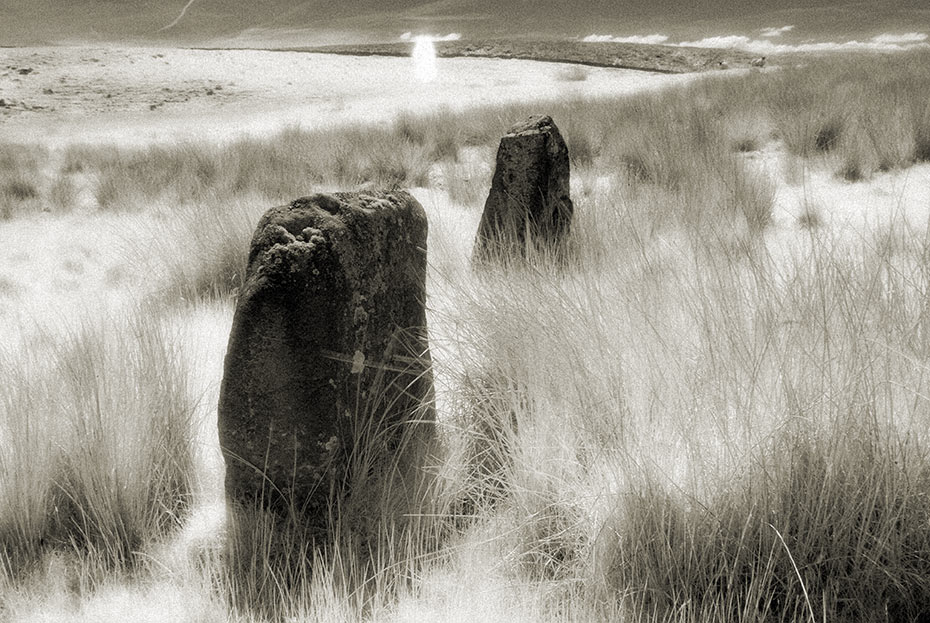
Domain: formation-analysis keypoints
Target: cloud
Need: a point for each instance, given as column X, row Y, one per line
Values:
column 880, row 43
column 888, row 42
column 648, row 39
column 909, row 37
column 452, row 36
column 776, row 32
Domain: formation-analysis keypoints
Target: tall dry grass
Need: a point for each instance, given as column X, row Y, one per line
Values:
column 683, row 424
column 696, row 435
column 98, row 453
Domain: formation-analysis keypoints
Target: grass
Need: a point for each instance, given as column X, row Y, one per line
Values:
column 868, row 115
column 26, row 186
column 18, row 186
column 102, row 421
column 690, row 422
column 859, row 117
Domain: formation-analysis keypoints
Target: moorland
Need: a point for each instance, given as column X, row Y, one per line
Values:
column 717, row 412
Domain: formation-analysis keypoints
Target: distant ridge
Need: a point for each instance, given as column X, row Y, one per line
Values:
column 653, row 58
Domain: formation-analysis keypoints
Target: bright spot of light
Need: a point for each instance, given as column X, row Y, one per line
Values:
column 424, row 59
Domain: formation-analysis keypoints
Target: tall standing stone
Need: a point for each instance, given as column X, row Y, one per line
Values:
column 327, row 374
column 529, row 202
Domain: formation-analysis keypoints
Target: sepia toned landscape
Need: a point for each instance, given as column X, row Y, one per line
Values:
column 710, row 405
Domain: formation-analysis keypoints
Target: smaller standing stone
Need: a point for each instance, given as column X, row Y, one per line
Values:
column 530, row 201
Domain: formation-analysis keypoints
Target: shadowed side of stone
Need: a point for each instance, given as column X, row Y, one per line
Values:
column 529, row 203
column 327, row 381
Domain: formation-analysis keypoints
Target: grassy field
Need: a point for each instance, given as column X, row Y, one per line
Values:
column 717, row 412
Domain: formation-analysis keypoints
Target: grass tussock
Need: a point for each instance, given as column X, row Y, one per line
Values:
column 868, row 114
column 825, row 527
column 19, row 179
column 207, row 250
column 98, row 446
column 28, row 184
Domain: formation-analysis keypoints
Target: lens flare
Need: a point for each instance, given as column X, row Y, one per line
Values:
column 424, row 59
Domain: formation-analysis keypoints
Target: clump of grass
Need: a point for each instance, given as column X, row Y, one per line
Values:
column 922, row 133
column 746, row 144
column 685, row 154
column 279, row 169
column 828, row 530
column 213, row 241
column 467, row 183
column 8, row 287
column 551, row 540
column 78, row 158
column 18, row 195
column 852, row 169
column 582, row 149
column 100, row 454
column 867, row 111
column 21, row 158
column 827, row 137
column 20, row 189
column 63, row 194
column 487, row 426
column 747, row 130
column 439, row 132
column 21, row 179
column 811, row 217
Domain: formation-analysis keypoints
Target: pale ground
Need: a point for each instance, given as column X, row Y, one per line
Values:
column 56, row 270
column 138, row 95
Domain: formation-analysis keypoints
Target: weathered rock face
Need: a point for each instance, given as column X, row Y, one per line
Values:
column 529, row 202
column 327, row 373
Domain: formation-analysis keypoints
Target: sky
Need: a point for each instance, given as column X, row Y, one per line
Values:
column 781, row 22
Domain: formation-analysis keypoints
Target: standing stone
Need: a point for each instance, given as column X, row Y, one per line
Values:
column 529, row 202
column 327, row 383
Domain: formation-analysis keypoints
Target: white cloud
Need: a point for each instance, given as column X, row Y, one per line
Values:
column 741, row 42
column 647, row 39
column 909, row 37
column 452, row 36
column 776, row 32
column 880, row 43
column 888, row 42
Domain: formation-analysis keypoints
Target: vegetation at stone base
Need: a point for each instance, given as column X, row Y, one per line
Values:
column 686, row 424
